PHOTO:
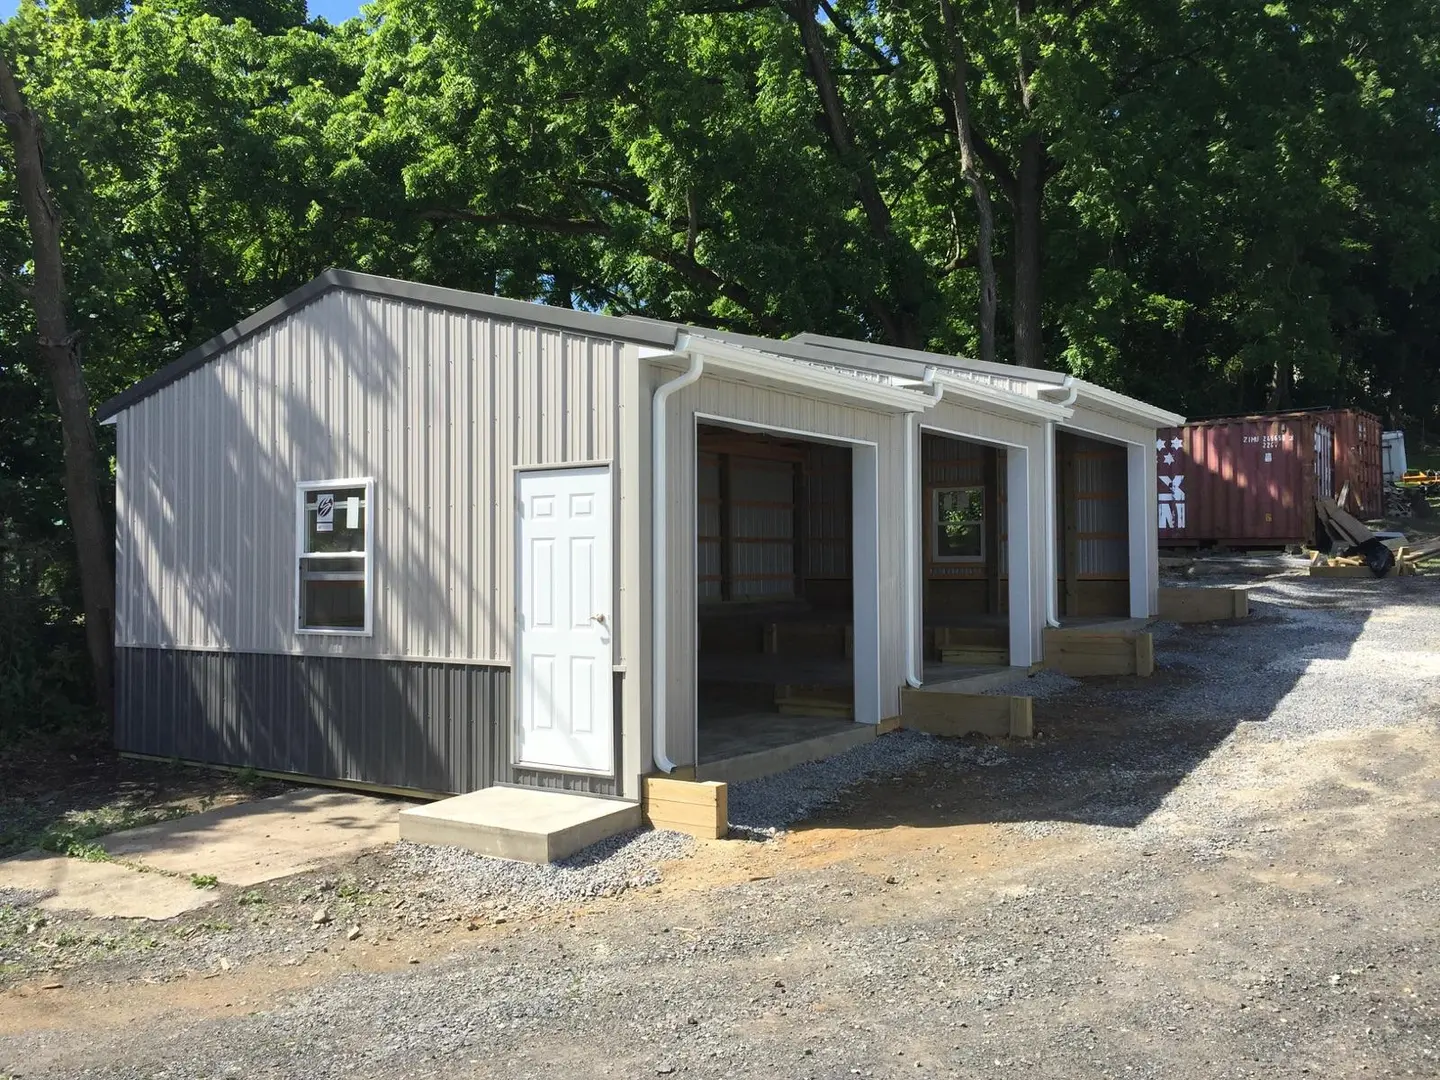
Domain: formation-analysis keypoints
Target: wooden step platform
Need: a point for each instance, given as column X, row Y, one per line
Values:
column 1097, row 651
column 940, row 712
column 972, row 644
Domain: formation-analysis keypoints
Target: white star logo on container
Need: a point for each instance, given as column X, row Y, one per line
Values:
column 1159, row 444
column 1169, row 459
column 1176, row 443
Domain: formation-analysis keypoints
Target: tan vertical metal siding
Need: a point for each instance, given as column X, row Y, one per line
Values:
column 1102, row 511
column 760, row 405
column 828, row 492
column 437, row 406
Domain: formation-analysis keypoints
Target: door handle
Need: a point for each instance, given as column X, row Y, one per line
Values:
column 600, row 618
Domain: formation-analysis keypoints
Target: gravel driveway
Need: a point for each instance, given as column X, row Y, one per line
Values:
column 1227, row 870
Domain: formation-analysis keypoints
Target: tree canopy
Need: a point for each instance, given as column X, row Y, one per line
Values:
column 1213, row 204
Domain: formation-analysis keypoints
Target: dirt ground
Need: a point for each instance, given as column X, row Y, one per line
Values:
column 1123, row 897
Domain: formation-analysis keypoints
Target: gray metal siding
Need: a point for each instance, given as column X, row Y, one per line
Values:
column 434, row 727
column 398, row 723
column 438, row 406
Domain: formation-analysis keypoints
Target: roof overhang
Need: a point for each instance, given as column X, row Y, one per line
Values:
column 784, row 373
column 1123, row 407
column 869, row 352
column 989, row 399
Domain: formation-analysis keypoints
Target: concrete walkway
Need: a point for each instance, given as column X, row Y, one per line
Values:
column 239, row 845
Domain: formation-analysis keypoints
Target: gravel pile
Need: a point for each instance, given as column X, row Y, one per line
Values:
column 1312, row 662
column 627, row 861
column 1302, row 664
column 763, row 808
column 1040, row 686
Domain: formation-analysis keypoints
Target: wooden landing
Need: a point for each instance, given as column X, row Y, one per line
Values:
column 1097, row 651
column 939, row 712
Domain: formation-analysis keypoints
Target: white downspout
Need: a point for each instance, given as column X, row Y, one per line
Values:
column 913, row 671
column 659, row 545
column 1052, row 599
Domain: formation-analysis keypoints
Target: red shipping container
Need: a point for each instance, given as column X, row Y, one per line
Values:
column 1358, row 459
column 1243, row 483
column 1356, row 454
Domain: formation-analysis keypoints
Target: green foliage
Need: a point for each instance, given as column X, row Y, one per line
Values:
column 204, row 881
column 74, row 832
column 1239, row 204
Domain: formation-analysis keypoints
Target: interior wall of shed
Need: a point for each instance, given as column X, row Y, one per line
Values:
column 775, row 585
column 970, row 582
column 1092, row 527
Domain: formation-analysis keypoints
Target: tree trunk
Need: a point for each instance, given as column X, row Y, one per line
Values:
column 1029, row 188
column 1029, row 185
column 60, row 350
column 901, row 321
column 970, row 170
column 1281, row 386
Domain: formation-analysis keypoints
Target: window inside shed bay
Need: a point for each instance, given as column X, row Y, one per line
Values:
column 958, row 519
column 334, row 556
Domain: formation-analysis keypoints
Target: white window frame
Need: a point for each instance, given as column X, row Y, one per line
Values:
column 302, row 491
column 936, row 525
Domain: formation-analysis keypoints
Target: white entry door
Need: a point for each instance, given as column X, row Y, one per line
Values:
column 564, row 696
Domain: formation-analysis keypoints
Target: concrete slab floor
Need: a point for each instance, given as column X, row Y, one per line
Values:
column 106, row 889
column 728, row 734
column 265, row 839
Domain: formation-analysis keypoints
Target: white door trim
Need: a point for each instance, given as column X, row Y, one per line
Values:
column 517, row 690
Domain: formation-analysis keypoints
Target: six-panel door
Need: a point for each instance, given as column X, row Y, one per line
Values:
column 563, row 660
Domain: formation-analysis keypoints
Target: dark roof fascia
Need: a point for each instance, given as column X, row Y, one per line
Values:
column 618, row 328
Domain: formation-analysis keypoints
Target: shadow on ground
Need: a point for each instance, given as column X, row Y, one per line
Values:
column 1110, row 752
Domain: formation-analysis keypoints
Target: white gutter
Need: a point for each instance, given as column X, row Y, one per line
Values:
column 913, row 671
column 1052, row 599
column 659, row 545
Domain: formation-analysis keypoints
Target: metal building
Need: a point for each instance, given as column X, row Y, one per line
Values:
column 422, row 539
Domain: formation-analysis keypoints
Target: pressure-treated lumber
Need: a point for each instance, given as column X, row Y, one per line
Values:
column 1100, row 652
column 697, row 807
column 972, row 645
column 1203, row 604
column 1341, row 570
column 941, row 713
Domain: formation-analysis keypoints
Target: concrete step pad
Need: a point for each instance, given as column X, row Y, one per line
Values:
column 527, row 824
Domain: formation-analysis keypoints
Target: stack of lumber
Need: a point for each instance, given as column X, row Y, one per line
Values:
column 1407, row 561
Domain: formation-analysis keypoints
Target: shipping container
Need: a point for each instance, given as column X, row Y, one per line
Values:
column 1243, row 483
column 1357, row 458
column 1355, row 454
